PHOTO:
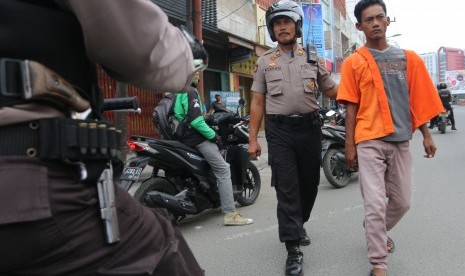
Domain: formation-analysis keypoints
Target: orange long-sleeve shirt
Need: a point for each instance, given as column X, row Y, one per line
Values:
column 362, row 84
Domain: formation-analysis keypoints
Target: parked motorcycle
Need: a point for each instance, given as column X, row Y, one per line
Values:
column 182, row 180
column 334, row 164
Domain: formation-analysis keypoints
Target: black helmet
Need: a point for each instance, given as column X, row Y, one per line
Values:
column 441, row 86
column 285, row 8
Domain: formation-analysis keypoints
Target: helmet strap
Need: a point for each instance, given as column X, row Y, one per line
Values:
column 290, row 42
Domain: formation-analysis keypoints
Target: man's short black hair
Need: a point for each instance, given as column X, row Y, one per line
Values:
column 363, row 4
column 217, row 95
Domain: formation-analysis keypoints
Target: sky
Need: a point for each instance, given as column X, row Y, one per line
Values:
column 425, row 25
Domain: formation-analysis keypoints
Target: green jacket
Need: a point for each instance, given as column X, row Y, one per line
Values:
column 188, row 109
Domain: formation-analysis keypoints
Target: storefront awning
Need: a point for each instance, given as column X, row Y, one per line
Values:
column 240, row 42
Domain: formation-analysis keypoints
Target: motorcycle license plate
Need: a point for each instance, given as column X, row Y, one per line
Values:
column 130, row 173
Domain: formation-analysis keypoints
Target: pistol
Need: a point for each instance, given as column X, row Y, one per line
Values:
column 106, row 196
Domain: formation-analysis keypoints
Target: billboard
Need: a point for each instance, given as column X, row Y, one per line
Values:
column 455, row 81
column 313, row 29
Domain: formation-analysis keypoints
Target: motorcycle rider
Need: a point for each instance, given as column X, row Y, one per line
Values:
column 446, row 99
column 50, row 219
column 194, row 132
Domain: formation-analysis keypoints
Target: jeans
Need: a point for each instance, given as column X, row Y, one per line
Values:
column 222, row 174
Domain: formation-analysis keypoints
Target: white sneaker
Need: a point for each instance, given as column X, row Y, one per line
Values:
column 236, row 218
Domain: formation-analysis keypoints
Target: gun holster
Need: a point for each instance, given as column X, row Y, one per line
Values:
column 22, row 81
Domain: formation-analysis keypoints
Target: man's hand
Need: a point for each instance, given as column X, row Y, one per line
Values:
column 351, row 156
column 430, row 147
column 254, row 149
column 218, row 142
column 428, row 143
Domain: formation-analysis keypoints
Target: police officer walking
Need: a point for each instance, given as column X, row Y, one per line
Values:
column 60, row 212
column 285, row 85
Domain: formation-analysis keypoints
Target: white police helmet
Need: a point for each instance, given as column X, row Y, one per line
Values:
column 284, row 8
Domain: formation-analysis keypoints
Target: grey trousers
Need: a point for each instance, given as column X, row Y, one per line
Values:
column 222, row 173
column 385, row 175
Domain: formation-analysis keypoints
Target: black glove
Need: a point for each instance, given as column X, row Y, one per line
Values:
column 218, row 142
column 209, row 119
column 198, row 51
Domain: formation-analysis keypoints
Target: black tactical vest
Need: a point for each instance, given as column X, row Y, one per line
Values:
column 40, row 30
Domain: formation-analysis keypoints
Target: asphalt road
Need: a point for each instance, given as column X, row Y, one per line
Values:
column 430, row 240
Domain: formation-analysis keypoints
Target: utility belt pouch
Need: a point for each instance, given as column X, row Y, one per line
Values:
column 62, row 139
column 26, row 80
column 77, row 140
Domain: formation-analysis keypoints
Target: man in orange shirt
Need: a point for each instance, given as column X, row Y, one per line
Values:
column 388, row 94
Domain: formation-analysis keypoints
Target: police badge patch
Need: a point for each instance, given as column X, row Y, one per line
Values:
column 312, row 85
column 272, row 62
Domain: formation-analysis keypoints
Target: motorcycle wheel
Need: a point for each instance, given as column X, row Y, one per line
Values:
column 442, row 127
column 251, row 188
column 154, row 184
column 337, row 176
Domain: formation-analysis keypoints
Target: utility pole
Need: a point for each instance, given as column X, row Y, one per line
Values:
column 197, row 18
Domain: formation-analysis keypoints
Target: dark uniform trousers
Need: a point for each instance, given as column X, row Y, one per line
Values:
column 294, row 150
column 50, row 225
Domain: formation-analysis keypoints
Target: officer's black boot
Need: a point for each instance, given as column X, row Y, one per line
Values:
column 453, row 127
column 295, row 257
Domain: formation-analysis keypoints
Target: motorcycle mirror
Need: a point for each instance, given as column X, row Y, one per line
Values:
column 241, row 102
column 330, row 113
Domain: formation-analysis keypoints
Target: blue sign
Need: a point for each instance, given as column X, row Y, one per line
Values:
column 229, row 98
column 313, row 31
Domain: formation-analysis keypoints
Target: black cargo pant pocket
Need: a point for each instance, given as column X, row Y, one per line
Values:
column 23, row 191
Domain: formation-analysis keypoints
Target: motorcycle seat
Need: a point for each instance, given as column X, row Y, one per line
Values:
column 337, row 128
column 173, row 144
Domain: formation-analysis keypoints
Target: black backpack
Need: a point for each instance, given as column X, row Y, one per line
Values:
column 163, row 117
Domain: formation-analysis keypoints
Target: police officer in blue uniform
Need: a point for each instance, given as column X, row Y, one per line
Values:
column 285, row 87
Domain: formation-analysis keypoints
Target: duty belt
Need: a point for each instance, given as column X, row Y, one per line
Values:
column 61, row 139
column 296, row 119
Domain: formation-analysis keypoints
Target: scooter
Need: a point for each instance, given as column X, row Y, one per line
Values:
column 334, row 165
column 181, row 180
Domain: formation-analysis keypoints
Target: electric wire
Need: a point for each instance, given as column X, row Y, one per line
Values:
column 233, row 11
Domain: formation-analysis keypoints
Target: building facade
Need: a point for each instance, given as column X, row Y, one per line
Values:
column 431, row 63
column 449, row 59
